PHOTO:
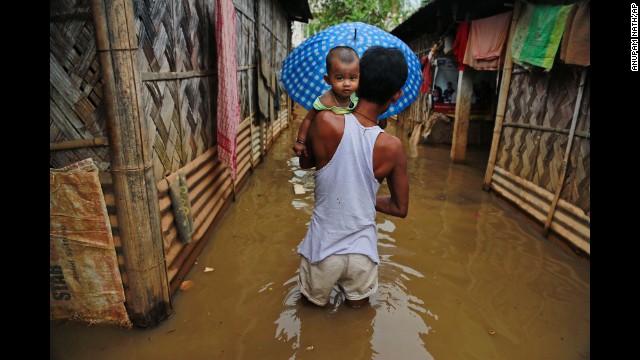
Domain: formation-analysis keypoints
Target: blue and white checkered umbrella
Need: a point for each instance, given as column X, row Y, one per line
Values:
column 304, row 68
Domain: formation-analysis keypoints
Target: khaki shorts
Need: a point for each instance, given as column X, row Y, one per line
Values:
column 355, row 274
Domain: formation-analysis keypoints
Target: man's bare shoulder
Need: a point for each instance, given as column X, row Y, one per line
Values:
column 327, row 118
column 389, row 143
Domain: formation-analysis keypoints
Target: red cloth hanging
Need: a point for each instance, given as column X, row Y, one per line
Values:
column 460, row 43
column 228, row 112
column 427, row 79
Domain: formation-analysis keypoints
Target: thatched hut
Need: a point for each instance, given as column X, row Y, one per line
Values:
column 540, row 145
column 134, row 86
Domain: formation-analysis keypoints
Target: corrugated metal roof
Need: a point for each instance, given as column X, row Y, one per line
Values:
column 297, row 10
column 441, row 13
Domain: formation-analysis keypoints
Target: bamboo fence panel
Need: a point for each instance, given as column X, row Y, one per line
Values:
column 76, row 111
column 558, row 110
column 246, row 56
column 176, row 52
column 569, row 221
column 532, row 149
column 577, row 188
column 518, row 147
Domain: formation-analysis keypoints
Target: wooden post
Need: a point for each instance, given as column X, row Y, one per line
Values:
column 146, row 288
column 463, row 113
column 502, row 99
column 565, row 161
column 289, row 34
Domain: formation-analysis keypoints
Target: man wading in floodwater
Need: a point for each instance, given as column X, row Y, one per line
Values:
column 352, row 156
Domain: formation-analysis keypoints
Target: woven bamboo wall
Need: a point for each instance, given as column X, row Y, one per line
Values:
column 177, row 65
column 76, row 111
column 533, row 144
column 547, row 100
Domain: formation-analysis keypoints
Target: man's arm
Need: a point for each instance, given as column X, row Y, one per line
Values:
column 307, row 160
column 396, row 204
column 303, row 131
column 323, row 139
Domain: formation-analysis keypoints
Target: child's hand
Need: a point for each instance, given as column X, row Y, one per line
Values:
column 382, row 123
column 299, row 149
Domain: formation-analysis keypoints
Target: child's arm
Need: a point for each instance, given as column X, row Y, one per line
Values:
column 300, row 145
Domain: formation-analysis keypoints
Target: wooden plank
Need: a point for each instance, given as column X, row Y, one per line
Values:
column 463, row 114
column 572, row 224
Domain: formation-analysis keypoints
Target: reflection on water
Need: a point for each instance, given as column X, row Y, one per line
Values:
column 464, row 276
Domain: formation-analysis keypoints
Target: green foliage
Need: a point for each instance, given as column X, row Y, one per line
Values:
column 385, row 14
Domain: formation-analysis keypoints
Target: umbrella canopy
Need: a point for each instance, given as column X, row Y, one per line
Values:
column 305, row 66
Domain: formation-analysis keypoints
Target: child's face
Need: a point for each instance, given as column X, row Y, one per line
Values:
column 343, row 78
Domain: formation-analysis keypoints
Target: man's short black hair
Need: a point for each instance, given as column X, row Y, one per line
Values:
column 345, row 54
column 383, row 71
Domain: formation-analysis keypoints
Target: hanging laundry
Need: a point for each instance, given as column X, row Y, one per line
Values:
column 427, row 78
column 485, row 46
column 538, row 35
column 460, row 43
column 576, row 42
column 228, row 112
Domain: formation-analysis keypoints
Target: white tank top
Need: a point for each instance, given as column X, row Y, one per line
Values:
column 344, row 214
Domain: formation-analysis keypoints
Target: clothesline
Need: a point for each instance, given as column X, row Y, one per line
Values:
column 440, row 38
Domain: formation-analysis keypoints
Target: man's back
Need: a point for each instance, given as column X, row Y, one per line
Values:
column 389, row 159
column 344, row 214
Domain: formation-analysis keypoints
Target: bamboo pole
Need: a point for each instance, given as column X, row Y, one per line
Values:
column 147, row 291
column 582, row 134
column 176, row 75
column 74, row 144
column 565, row 161
column 502, row 99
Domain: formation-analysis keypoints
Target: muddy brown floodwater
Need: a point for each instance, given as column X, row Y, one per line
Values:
column 464, row 276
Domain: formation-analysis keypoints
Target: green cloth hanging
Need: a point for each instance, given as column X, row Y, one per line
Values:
column 538, row 35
